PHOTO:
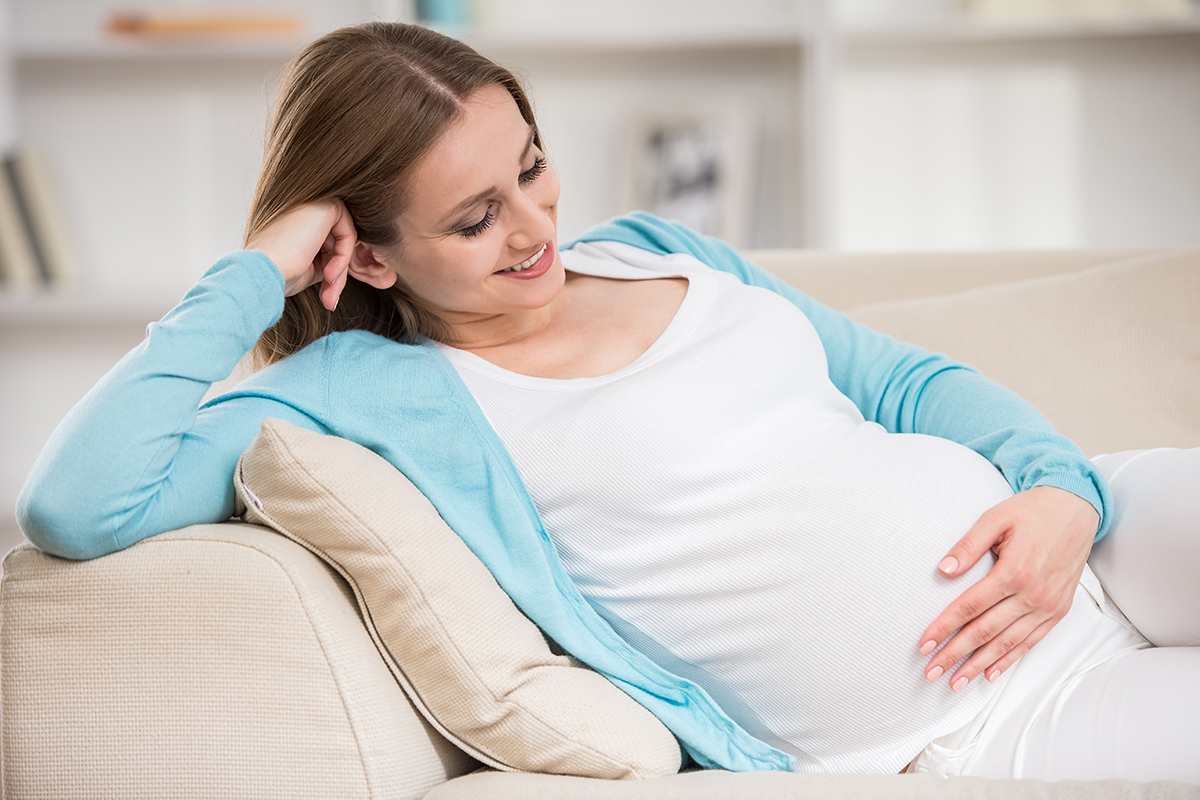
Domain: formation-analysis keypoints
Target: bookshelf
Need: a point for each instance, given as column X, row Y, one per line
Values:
column 800, row 59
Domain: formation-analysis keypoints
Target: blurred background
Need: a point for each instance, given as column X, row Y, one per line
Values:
column 132, row 133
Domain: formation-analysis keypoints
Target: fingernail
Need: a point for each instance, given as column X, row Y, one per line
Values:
column 993, row 675
column 948, row 564
column 961, row 682
column 934, row 674
column 928, row 647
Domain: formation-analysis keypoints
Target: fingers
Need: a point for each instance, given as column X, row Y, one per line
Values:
column 1001, row 666
column 310, row 244
column 1002, row 648
column 333, row 281
column 978, row 615
column 1041, row 538
column 969, row 606
column 1002, row 617
column 336, row 251
column 983, row 536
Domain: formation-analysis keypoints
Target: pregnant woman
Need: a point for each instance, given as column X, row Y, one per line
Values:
column 868, row 556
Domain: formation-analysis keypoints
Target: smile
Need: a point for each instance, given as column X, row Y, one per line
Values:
column 527, row 263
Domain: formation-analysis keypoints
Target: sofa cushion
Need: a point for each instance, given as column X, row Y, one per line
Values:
column 718, row 785
column 1110, row 354
column 473, row 664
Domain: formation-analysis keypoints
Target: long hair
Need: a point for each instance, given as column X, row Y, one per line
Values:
column 357, row 110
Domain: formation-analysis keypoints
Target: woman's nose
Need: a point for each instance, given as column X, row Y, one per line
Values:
column 534, row 218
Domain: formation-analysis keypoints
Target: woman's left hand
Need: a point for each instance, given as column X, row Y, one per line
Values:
column 1041, row 538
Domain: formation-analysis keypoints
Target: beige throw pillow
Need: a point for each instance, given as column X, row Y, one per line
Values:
column 1110, row 354
column 475, row 666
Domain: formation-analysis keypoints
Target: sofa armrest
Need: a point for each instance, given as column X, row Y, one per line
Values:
column 214, row 661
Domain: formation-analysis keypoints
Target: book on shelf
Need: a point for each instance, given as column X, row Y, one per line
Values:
column 35, row 247
column 18, row 266
column 185, row 24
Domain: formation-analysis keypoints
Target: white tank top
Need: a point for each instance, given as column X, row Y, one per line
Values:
column 733, row 516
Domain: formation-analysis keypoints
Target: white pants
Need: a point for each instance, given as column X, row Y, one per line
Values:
column 1114, row 690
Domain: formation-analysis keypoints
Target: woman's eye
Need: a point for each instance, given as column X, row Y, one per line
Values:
column 479, row 227
column 528, row 176
column 531, row 174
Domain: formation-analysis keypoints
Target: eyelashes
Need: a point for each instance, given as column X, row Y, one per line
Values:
column 528, row 176
column 479, row 227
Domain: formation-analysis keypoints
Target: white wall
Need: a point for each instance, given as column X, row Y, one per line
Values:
column 585, row 103
column 1080, row 143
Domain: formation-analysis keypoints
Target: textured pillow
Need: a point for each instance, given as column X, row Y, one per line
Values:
column 1110, row 354
column 475, row 666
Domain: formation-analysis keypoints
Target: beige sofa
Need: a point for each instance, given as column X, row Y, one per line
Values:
column 229, row 661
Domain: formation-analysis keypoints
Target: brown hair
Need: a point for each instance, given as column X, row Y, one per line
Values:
column 357, row 110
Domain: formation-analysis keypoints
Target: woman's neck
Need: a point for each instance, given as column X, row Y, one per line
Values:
column 595, row 326
column 513, row 329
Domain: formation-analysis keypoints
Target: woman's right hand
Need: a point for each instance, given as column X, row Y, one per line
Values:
column 310, row 244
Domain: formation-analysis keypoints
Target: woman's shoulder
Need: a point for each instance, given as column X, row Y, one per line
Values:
column 345, row 356
column 612, row 259
column 354, row 384
column 654, row 235
column 644, row 231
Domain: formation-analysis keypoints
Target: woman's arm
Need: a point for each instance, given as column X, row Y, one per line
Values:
column 1042, row 535
column 136, row 456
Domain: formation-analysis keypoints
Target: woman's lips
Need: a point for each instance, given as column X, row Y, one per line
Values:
column 536, row 270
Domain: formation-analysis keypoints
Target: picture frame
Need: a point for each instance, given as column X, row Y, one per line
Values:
column 692, row 163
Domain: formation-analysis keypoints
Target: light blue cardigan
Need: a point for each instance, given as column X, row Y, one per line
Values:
column 135, row 457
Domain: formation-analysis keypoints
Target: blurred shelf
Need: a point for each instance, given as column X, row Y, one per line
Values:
column 82, row 308
column 496, row 44
column 967, row 29
column 134, row 49
column 631, row 40
column 601, row 41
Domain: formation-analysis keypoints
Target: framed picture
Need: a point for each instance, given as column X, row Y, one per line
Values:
column 693, row 164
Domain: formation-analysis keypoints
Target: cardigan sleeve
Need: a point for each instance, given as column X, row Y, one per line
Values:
column 137, row 456
column 904, row 388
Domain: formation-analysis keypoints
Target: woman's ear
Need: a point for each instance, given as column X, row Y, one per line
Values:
column 366, row 266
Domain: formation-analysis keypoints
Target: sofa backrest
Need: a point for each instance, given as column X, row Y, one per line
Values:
column 1106, row 344
column 846, row 280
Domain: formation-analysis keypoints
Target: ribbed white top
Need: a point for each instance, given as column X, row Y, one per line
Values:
column 735, row 518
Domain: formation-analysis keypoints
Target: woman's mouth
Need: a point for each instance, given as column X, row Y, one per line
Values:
column 532, row 266
column 527, row 263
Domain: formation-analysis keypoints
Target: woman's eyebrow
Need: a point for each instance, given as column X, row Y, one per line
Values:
column 475, row 198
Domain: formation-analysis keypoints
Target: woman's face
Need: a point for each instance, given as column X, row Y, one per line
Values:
column 478, row 235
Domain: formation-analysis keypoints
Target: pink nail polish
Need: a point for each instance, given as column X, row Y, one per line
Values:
column 928, row 647
column 934, row 674
column 993, row 675
column 961, row 682
column 948, row 564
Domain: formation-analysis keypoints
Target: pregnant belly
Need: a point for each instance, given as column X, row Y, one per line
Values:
column 802, row 614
